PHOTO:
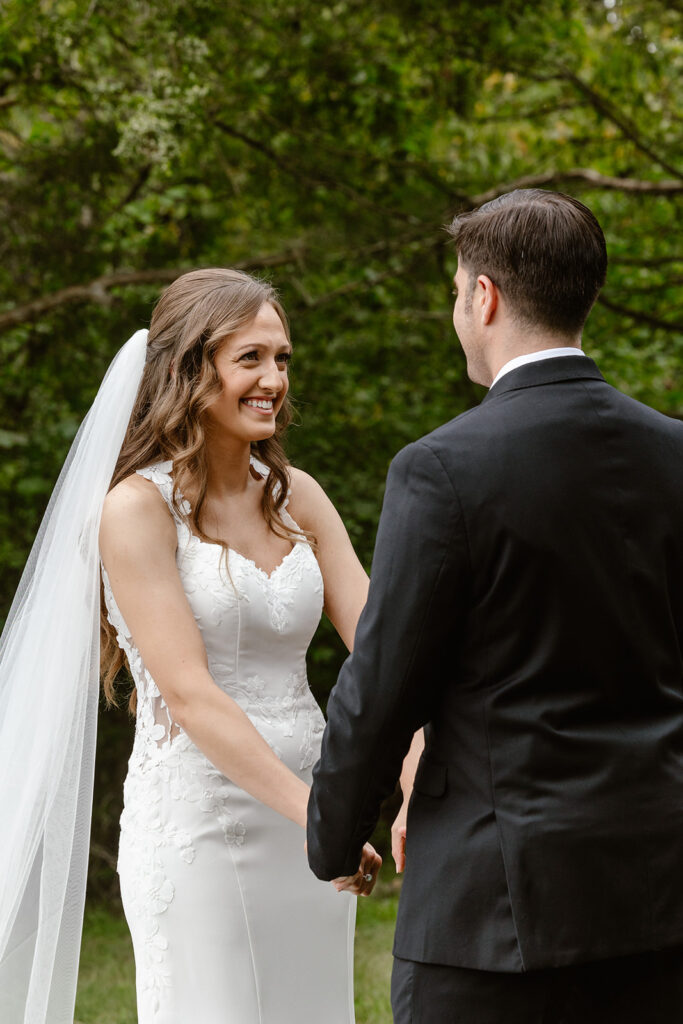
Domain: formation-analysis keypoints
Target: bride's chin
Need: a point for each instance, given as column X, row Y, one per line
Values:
column 262, row 435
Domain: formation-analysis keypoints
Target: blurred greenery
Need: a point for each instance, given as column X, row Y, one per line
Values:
column 323, row 145
column 106, row 984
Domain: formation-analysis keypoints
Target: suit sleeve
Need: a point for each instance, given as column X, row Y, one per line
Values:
column 405, row 640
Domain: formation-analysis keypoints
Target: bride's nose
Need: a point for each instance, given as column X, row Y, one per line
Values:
column 271, row 378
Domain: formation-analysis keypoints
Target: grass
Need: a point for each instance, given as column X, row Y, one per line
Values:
column 373, row 960
column 106, row 985
column 106, row 982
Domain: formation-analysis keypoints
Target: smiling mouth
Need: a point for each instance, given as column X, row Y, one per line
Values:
column 260, row 405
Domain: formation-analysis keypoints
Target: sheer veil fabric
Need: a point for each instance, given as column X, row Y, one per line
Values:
column 49, row 685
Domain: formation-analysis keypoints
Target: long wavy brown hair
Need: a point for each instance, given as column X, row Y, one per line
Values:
column 190, row 322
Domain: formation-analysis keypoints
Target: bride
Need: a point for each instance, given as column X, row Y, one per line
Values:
column 217, row 560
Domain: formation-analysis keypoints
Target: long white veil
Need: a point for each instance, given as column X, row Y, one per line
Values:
column 49, row 684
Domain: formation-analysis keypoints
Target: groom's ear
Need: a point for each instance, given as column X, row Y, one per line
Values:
column 487, row 298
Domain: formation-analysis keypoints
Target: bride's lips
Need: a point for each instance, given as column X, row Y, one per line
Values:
column 260, row 404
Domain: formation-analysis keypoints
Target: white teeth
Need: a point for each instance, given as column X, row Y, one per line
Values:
column 257, row 403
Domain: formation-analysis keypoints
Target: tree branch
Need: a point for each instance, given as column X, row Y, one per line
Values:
column 641, row 261
column 646, row 289
column 362, row 285
column 592, row 178
column 529, row 115
column 98, row 290
column 350, row 287
column 140, row 181
column 625, row 125
column 639, row 317
column 298, row 172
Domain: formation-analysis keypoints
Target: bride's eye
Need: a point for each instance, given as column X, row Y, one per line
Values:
column 285, row 358
column 250, row 355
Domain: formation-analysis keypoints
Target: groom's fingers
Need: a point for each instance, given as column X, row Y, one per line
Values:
column 370, row 864
column 369, row 886
column 363, row 882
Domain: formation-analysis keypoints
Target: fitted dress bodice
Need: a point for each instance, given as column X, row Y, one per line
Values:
column 256, row 630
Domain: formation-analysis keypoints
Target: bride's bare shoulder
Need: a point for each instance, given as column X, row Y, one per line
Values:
column 308, row 502
column 135, row 504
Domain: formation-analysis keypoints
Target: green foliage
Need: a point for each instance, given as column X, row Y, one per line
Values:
column 326, row 145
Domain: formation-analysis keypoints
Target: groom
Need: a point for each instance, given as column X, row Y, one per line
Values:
column 526, row 607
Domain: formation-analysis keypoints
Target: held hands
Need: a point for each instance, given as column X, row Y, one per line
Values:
column 363, row 882
column 398, row 837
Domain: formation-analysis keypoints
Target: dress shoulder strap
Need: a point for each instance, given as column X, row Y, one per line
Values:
column 160, row 476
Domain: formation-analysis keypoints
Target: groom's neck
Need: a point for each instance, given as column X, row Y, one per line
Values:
column 513, row 343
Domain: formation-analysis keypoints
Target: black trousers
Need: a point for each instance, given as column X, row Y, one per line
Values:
column 646, row 988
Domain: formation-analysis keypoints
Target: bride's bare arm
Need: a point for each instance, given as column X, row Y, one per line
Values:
column 138, row 543
column 345, row 579
column 398, row 829
column 346, row 591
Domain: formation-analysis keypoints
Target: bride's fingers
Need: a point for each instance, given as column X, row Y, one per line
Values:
column 398, row 847
column 348, row 883
column 355, row 884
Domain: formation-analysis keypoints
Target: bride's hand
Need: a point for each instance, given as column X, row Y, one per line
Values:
column 363, row 882
column 398, row 838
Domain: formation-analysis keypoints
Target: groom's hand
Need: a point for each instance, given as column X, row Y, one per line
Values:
column 363, row 882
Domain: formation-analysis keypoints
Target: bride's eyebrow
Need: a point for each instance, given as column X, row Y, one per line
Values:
column 258, row 346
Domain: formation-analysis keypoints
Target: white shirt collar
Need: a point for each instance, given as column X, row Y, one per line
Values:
column 533, row 357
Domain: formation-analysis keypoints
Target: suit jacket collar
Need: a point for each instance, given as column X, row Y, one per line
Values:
column 546, row 371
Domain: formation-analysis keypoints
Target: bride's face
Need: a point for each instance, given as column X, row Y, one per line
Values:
column 252, row 366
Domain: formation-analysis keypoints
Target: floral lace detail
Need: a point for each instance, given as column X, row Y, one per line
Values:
column 284, row 709
column 150, row 890
column 160, row 474
column 145, row 835
column 203, row 567
column 280, row 588
column 314, row 728
column 154, row 727
column 227, row 596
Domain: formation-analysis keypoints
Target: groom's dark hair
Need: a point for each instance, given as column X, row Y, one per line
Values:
column 545, row 251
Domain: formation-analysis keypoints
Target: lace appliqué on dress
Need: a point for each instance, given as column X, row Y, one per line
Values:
column 283, row 709
column 163, row 759
column 166, row 768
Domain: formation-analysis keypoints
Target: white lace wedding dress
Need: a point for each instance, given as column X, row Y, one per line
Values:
column 229, row 926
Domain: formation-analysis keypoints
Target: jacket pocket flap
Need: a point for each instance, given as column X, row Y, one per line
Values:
column 430, row 778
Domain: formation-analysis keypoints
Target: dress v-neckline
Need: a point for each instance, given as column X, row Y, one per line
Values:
column 250, row 561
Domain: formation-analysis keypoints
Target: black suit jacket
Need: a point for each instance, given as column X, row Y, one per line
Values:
column 526, row 605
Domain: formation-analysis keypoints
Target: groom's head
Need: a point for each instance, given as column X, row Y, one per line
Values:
column 530, row 266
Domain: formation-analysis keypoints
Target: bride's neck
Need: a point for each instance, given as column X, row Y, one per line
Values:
column 227, row 463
